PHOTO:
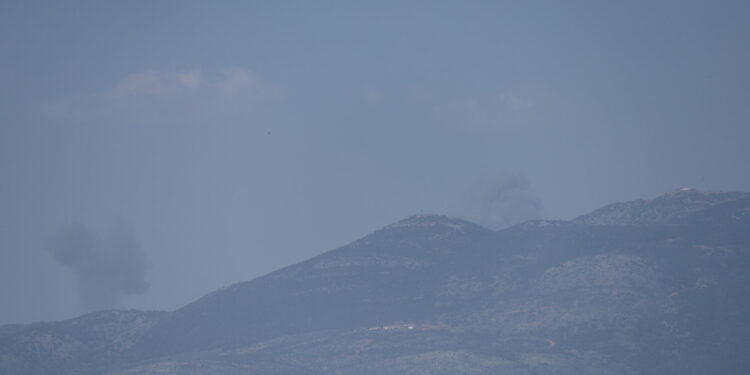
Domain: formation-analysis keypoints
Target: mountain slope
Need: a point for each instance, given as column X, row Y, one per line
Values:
column 92, row 341
column 646, row 287
column 371, row 280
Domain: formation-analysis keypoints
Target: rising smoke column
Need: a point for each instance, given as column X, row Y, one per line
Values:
column 503, row 200
column 105, row 265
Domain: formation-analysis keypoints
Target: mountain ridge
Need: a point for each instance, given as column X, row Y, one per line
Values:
column 434, row 294
column 669, row 206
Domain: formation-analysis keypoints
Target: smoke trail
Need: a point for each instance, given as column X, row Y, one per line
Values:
column 106, row 265
column 503, row 200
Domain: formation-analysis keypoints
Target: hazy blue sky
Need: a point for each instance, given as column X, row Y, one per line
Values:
column 233, row 138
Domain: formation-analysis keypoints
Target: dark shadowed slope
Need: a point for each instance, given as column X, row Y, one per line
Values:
column 645, row 287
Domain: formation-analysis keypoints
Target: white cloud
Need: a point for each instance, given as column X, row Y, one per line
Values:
column 155, row 83
column 527, row 96
column 190, row 79
column 517, row 102
column 227, row 81
column 504, row 109
column 231, row 81
column 167, row 94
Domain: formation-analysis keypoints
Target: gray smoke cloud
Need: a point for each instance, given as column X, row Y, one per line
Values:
column 107, row 265
column 503, row 200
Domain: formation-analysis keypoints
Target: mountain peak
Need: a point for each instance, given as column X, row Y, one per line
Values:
column 687, row 192
column 669, row 206
column 683, row 191
column 434, row 221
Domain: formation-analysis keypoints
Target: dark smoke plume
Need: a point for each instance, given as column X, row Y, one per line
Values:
column 106, row 265
column 503, row 200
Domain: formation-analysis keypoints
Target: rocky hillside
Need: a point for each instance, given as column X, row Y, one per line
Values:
column 645, row 287
column 670, row 206
column 91, row 341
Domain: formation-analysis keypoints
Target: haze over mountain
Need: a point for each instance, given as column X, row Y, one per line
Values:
column 654, row 286
column 238, row 137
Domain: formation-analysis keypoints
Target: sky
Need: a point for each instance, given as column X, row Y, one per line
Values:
column 152, row 152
